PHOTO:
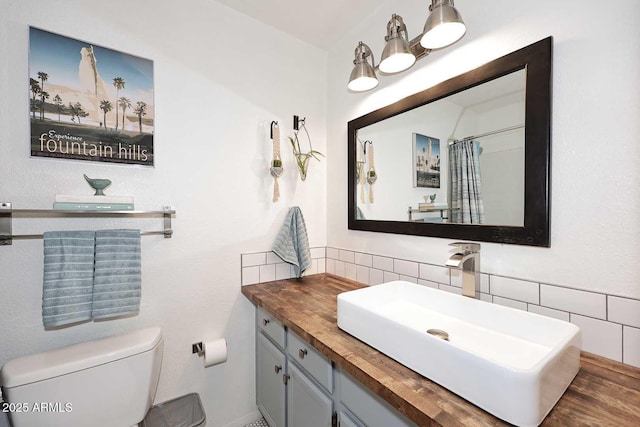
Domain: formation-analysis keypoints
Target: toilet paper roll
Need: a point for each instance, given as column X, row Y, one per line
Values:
column 215, row 352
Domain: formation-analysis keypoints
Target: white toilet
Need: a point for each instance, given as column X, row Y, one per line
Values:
column 102, row 383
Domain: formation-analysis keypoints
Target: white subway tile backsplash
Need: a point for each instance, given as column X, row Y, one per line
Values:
column 624, row 310
column 571, row 300
column 600, row 337
column 333, row 253
column 267, row 273
column 451, row 289
column 350, row 271
column 405, row 268
column 250, row 275
column 510, row 303
column 322, row 265
column 249, row 260
column 272, row 258
column 520, row 290
column 331, row 266
column 390, row 277
column 631, row 342
column 364, row 259
column 383, row 263
column 428, row 283
column 318, row 252
column 376, row 277
column 486, row 297
column 283, row 271
column 341, row 269
column 549, row 312
column 346, row 256
column 312, row 269
column 484, row 283
column 435, row 273
column 362, row 274
column 610, row 324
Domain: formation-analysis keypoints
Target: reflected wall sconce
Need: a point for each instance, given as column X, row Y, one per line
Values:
column 444, row 27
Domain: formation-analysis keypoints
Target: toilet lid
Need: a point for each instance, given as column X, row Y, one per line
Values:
column 66, row 360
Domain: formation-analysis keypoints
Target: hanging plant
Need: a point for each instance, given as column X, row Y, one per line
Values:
column 302, row 159
column 276, row 168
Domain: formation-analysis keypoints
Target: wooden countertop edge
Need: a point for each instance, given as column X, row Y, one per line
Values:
column 441, row 403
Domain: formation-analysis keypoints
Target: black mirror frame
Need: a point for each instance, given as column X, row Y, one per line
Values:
column 537, row 60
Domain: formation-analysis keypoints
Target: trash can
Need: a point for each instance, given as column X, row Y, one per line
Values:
column 184, row 411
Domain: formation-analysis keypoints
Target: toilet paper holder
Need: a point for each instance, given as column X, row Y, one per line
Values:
column 197, row 348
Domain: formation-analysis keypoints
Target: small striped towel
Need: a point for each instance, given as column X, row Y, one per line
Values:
column 292, row 242
column 117, row 277
column 68, row 277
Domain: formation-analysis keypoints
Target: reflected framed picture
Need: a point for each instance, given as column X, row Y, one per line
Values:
column 88, row 102
column 426, row 161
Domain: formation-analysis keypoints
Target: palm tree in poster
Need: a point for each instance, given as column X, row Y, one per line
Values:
column 43, row 97
column 106, row 106
column 77, row 111
column 141, row 110
column 119, row 83
column 43, row 78
column 124, row 103
column 35, row 90
column 58, row 101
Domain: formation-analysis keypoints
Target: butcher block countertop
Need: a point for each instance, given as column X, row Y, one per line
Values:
column 604, row 393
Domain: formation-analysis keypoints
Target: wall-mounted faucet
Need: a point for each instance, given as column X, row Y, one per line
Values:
column 467, row 258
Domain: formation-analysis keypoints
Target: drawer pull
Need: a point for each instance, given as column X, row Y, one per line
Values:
column 265, row 322
column 302, row 353
column 278, row 368
column 285, row 379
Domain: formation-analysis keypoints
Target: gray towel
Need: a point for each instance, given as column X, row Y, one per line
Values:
column 117, row 278
column 68, row 277
column 292, row 242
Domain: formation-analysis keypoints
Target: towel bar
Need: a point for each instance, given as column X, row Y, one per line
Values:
column 7, row 213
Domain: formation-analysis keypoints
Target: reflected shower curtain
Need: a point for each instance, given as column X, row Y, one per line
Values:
column 466, row 183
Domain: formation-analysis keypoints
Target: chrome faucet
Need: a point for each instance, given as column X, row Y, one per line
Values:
column 467, row 258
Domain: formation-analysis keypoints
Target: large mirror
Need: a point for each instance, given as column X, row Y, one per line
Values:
column 466, row 159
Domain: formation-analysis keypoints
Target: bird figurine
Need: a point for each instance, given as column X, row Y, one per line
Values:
column 98, row 185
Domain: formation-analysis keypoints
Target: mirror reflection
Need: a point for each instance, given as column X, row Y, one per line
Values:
column 459, row 159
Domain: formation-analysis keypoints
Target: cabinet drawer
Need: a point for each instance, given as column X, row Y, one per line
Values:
column 314, row 362
column 271, row 326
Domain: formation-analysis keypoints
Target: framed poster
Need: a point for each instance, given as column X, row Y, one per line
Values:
column 426, row 161
column 88, row 102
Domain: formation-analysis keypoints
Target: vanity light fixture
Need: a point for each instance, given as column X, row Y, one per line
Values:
column 444, row 27
column 397, row 55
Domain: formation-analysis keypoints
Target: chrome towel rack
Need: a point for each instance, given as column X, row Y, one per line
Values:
column 7, row 213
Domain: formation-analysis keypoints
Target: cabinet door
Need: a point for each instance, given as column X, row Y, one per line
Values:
column 307, row 405
column 270, row 393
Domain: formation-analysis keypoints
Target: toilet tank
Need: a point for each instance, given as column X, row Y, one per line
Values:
column 103, row 383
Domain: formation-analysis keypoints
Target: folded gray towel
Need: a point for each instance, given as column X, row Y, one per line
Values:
column 292, row 242
column 68, row 277
column 117, row 278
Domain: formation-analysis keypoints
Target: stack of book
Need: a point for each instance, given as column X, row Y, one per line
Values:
column 93, row 203
column 426, row 207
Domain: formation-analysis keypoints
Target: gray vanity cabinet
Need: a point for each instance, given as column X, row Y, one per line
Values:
column 294, row 382
column 307, row 405
column 297, row 386
column 271, row 389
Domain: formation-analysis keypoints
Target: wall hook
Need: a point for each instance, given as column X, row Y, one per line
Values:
column 273, row 123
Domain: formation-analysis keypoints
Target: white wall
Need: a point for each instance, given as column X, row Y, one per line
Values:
column 595, row 207
column 220, row 78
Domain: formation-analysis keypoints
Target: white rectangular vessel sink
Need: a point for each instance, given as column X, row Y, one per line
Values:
column 513, row 364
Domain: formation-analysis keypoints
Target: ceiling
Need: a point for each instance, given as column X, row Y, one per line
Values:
column 318, row 22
